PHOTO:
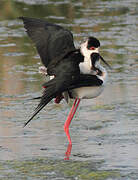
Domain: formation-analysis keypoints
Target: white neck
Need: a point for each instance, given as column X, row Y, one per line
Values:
column 85, row 67
column 86, row 52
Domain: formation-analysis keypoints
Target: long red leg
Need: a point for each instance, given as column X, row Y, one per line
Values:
column 73, row 113
column 70, row 113
column 69, row 118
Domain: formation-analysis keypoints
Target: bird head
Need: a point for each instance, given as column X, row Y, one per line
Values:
column 90, row 50
column 91, row 45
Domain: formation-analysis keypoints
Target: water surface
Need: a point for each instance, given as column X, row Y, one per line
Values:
column 104, row 131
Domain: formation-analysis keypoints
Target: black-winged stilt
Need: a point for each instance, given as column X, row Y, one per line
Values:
column 75, row 73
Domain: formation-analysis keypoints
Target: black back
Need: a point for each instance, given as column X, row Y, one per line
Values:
column 92, row 41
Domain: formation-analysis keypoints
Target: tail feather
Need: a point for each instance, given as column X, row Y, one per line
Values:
column 45, row 99
column 34, row 114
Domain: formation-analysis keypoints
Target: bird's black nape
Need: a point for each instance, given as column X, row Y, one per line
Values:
column 94, row 57
column 92, row 41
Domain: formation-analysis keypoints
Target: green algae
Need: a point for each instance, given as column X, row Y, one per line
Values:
column 103, row 106
column 100, row 175
column 132, row 114
column 44, row 168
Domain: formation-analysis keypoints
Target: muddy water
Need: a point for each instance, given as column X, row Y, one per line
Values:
column 105, row 130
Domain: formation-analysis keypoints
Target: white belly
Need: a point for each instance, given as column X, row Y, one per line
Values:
column 87, row 92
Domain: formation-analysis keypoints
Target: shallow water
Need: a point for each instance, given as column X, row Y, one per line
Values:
column 104, row 131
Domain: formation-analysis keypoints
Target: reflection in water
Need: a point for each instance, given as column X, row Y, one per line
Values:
column 68, row 152
column 109, row 120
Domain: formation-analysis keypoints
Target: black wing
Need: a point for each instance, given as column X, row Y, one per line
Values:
column 67, row 74
column 64, row 82
column 52, row 41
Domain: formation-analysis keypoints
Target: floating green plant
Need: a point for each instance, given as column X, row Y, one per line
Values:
column 103, row 106
column 44, row 168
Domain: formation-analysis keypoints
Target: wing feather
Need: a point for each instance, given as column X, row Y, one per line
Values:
column 52, row 41
column 57, row 86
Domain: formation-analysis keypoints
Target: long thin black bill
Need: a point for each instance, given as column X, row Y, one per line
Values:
column 105, row 62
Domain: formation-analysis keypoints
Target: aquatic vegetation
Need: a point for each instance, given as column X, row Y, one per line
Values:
column 48, row 168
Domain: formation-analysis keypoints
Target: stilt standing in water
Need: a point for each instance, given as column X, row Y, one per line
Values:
column 74, row 73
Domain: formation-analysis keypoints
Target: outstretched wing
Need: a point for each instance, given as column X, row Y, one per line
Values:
column 52, row 41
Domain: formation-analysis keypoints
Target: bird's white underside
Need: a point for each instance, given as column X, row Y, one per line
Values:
column 87, row 92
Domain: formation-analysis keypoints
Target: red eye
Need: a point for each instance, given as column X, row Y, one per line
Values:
column 92, row 48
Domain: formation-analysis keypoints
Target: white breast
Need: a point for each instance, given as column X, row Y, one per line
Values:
column 87, row 92
column 92, row 91
column 85, row 67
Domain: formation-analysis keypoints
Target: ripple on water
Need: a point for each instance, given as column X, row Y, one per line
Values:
column 15, row 54
column 105, row 129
